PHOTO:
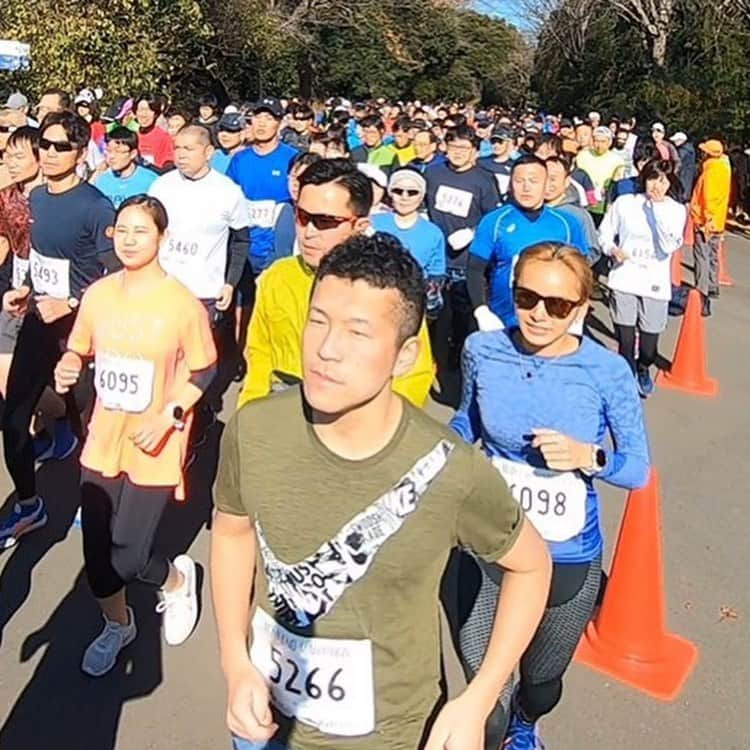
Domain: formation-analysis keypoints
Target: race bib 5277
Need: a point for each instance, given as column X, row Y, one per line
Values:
column 326, row 683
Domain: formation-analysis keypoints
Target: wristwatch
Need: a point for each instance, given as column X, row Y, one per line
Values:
column 598, row 459
column 178, row 416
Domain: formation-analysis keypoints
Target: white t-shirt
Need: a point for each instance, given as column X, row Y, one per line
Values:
column 201, row 213
column 648, row 233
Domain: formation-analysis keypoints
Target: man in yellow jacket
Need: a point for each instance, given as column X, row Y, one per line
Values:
column 334, row 203
column 708, row 210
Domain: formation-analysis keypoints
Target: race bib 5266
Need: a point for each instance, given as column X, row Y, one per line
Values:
column 326, row 683
column 554, row 501
column 124, row 383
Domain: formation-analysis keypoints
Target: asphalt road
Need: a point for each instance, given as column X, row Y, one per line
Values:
column 161, row 698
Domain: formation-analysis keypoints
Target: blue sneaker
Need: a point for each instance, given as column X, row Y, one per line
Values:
column 645, row 383
column 22, row 520
column 522, row 735
column 60, row 447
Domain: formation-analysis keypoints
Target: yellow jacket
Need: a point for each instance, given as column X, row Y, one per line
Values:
column 275, row 335
column 710, row 201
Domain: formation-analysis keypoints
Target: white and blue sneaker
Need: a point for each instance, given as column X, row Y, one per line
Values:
column 645, row 383
column 22, row 520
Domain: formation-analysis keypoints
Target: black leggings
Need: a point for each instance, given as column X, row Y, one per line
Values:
column 647, row 346
column 119, row 521
column 37, row 351
column 470, row 592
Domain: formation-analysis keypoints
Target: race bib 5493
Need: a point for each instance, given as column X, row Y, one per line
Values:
column 50, row 276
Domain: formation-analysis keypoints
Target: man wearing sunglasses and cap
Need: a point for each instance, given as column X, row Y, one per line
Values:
column 500, row 162
column 334, row 204
column 230, row 135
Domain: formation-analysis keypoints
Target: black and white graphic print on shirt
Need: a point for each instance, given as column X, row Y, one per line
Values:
column 305, row 591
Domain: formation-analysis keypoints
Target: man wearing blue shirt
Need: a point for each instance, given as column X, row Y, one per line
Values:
column 504, row 233
column 230, row 133
column 124, row 177
column 261, row 171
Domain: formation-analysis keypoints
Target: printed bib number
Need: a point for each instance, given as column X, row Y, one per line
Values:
column 450, row 200
column 20, row 271
column 554, row 501
column 326, row 683
column 640, row 254
column 262, row 213
column 50, row 275
column 123, row 383
column 181, row 250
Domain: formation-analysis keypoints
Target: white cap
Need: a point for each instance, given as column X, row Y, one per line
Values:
column 679, row 138
column 658, row 126
column 85, row 96
column 595, row 116
column 374, row 173
column 603, row 131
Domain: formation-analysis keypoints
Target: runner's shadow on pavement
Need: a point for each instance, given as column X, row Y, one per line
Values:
column 58, row 484
column 60, row 705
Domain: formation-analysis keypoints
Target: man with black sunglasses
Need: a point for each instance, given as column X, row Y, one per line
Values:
column 298, row 130
column 71, row 247
column 334, row 203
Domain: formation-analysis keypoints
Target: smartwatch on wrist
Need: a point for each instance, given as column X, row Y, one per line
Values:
column 178, row 416
column 598, row 461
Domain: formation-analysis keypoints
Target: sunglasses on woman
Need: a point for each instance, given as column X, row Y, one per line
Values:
column 557, row 307
column 411, row 192
column 321, row 222
column 62, row 147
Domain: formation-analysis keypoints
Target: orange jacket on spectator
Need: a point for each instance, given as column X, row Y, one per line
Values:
column 710, row 201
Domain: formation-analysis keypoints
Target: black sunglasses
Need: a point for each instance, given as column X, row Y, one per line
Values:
column 321, row 222
column 557, row 307
column 62, row 147
column 411, row 192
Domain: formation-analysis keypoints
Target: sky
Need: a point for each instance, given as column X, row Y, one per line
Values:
column 507, row 9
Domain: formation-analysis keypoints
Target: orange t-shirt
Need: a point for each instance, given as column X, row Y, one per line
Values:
column 144, row 350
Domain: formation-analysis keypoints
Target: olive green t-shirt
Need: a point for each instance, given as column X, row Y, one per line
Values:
column 350, row 556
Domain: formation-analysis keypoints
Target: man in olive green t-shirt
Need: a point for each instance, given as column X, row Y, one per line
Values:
column 341, row 503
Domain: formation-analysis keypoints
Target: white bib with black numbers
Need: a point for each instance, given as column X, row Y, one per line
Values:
column 124, row 383
column 326, row 683
column 554, row 501
column 453, row 201
column 20, row 271
column 50, row 276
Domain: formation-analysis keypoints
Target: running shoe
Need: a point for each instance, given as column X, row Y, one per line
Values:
column 645, row 383
column 101, row 655
column 180, row 607
column 22, row 520
column 522, row 735
column 59, row 447
column 706, row 311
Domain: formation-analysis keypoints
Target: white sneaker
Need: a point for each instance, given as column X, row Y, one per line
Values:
column 101, row 655
column 180, row 607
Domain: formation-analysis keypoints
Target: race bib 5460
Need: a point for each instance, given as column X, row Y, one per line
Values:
column 554, row 501
column 326, row 683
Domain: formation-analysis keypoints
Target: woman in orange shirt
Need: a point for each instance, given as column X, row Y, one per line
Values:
column 154, row 356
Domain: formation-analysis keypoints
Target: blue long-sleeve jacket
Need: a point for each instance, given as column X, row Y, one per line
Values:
column 589, row 395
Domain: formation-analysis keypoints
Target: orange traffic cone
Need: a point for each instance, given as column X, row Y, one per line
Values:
column 628, row 640
column 688, row 371
column 724, row 278
column 676, row 268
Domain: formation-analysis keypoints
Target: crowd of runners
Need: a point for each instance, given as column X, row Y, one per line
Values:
column 345, row 261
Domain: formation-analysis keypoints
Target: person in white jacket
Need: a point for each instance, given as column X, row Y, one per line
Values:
column 640, row 232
